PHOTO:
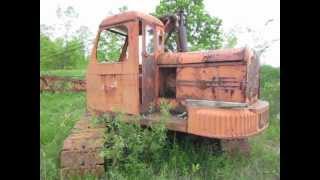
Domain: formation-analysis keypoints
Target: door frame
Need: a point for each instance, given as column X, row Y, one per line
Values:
column 149, row 66
column 126, row 73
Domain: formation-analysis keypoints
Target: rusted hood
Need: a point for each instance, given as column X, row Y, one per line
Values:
column 219, row 55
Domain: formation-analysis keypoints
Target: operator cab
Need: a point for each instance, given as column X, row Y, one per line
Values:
column 122, row 69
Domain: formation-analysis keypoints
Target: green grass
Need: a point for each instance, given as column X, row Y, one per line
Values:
column 179, row 160
column 65, row 73
column 58, row 113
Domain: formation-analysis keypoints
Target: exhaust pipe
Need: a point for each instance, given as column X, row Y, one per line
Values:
column 182, row 32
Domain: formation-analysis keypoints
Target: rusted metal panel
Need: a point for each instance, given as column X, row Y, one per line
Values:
column 114, row 93
column 95, row 92
column 220, row 55
column 109, row 68
column 236, row 73
column 221, row 83
column 227, row 123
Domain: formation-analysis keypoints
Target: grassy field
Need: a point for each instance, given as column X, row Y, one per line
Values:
column 58, row 113
column 178, row 160
column 65, row 73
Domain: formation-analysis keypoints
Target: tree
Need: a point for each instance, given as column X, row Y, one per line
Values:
column 256, row 37
column 203, row 30
column 50, row 52
column 230, row 39
column 76, row 54
column 66, row 50
column 67, row 17
column 47, row 30
column 123, row 9
column 84, row 35
column 53, row 53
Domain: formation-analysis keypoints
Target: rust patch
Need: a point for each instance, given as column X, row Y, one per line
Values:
column 202, row 85
column 231, row 92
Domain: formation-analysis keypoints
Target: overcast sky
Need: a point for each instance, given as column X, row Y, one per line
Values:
column 236, row 14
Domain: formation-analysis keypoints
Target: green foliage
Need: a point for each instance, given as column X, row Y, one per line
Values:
column 75, row 54
column 67, row 51
column 61, row 54
column 131, row 148
column 203, row 30
column 49, row 57
column 123, row 8
column 70, row 51
column 58, row 114
column 230, row 40
column 270, row 87
column 79, row 73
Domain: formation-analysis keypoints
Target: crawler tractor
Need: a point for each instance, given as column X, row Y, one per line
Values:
column 213, row 93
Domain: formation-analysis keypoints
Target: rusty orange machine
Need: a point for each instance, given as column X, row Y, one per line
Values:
column 214, row 93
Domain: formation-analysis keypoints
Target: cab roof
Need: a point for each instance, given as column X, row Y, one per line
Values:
column 128, row 16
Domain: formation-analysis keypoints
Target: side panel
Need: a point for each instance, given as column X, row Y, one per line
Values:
column 113, row 92
column 222, row 82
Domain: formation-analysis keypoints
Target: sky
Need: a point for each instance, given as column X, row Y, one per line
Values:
column 236, row 15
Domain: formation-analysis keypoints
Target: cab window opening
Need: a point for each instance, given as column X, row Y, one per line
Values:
column 149, row 34
column 113, row 45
